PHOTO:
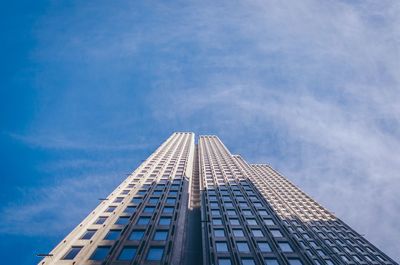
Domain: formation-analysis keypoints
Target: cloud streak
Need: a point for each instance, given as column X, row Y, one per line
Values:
column 53, row 210
column 50, row 141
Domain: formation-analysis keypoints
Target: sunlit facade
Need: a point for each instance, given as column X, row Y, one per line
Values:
column 198, row 204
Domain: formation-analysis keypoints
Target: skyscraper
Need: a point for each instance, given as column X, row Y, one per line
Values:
column 199, row 204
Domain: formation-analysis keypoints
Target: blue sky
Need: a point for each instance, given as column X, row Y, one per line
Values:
column 90, row 88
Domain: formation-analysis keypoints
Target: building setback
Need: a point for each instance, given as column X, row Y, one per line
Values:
column 194, row 204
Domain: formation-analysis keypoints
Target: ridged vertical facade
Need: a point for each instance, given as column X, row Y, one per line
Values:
column 142, row 221
column 193, row 204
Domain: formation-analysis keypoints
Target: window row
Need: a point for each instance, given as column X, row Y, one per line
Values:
column 137, row 234
column 155, row 253
column 143, row 220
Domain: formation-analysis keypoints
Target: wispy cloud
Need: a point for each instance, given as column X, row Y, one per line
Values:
column 53, row 209
column 51, row 141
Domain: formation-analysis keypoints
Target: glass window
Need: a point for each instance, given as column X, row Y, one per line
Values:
column 171, row 201
column 110, row 209
column 130, row 209
column 217, row 221
column 168, row 209
column 234, row 221
column 231, row 212
column 143, row 220
column 153, row 200
column 118, row 199
column 215, row 213
column 228, row 204
column 269, row 222
column 149, row 209
column 136, row 200
column 276, row 233
column 295, row 262
column 257, row 232
column 263, row 212
column 224, row 261
column 271, row 261
column 155, row 253
column 165, row 221
column 161, row 235
column 112, row 235
column 175, row 186
column 264, row 247
column 100, row 220
column 122, row 220
column 136, row 235
column 247, row 212
column 100, row 253
column 252, row 221
column 243, row 247
column 142, row 192
column 244, row 205
column 248, row 261
column 238, row 232
column 285, row 247
column 127, row 253
column 88, row 234
column 219, row 233
column 221, row 246
column 72, row 252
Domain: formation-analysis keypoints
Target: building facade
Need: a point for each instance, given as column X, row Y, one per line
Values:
column 198, row 204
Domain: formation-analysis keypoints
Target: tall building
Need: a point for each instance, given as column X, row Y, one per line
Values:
column 198, row 204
